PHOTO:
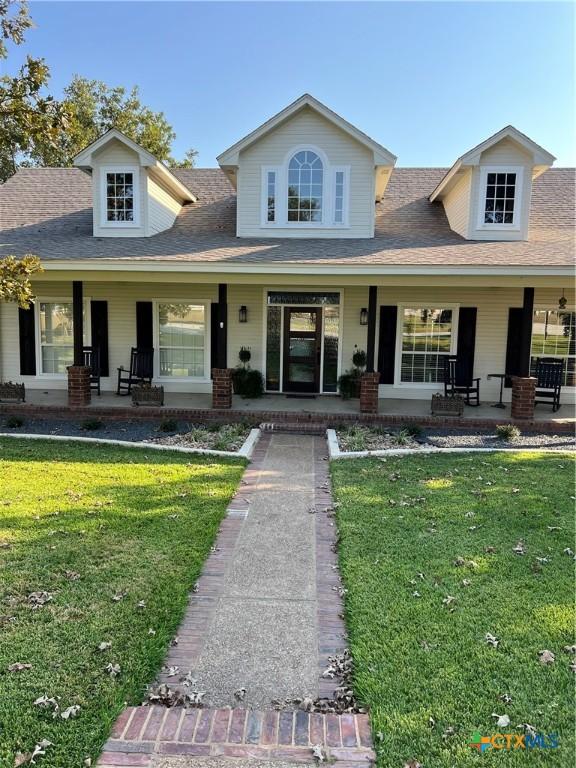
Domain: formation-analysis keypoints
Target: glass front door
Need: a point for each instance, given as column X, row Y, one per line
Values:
column 302, row 348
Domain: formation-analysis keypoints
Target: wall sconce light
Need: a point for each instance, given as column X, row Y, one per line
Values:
column 243, row 314
column 363, row 316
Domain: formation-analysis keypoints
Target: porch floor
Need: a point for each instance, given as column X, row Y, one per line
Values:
column 322, row 404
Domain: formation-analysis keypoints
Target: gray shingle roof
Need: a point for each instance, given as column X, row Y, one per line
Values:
column 47, row 211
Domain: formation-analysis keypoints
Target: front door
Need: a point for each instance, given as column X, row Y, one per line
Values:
column 302, row 345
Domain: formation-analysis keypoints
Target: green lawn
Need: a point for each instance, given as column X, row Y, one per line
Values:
column 418, row 658
column 84, row 524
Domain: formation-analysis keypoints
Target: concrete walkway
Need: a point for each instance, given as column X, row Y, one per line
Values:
column 259, row 629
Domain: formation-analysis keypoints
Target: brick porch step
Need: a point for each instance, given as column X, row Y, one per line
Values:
column 295, row 427
column 142, row 734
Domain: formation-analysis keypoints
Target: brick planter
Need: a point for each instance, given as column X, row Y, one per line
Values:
column 523, row 396
column 222, row 387
column 78, row 386
column 369, row 392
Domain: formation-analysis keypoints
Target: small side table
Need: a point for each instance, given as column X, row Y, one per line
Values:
column 500, row 376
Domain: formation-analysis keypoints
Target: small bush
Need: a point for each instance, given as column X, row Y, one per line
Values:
column 248, row 382
column 168, row 425
column 91, row 425
column 508, row 432
column 227, row 436
column 356, row 437
column 414, row 430
column 402, row 437
column 13, row 422
column 245, row 355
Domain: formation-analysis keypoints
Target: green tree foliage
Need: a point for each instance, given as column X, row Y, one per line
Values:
column 93, row 108
column 15, row 277
column 27, row 114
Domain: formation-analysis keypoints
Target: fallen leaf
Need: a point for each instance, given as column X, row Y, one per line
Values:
column 546, row 657
column 39, row 598
column 69, row 712
column 18, row 666
column 491, row 640
column 40, row 749
column 105, row 645
column 112, row 669
column 506, row 698
column 519, row 548
column 240, row 694
column 502, row 721
column 21, row 758
column 318, row 753
column 569, row 649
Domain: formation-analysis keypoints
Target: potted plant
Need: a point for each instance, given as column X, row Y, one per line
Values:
column 246, row 381
column 147, row 394
column 349, row 381
column 11, row 392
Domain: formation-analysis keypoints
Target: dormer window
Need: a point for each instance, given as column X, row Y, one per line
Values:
column 305, row 187
column 306, row 192
column 500, row 192
column 120, row 200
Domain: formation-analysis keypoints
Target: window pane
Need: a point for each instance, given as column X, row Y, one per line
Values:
column 331, row 330
column 426, row 339
column 499, row 200
column 120, row 197
column 181, row 331
column 305, row 187
column 273, row 329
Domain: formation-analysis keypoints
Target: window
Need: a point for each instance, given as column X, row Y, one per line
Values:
column 339, row 198
column 426, row 338
column 120, row 197
column 554, row 335
column 56, row 336
column 305, row 187
column 271, row 198
column 182, row 340
column 500, row 195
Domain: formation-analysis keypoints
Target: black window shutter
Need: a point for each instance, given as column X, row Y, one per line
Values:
column 99, row 327
column 214, row 320
column 27, row 331
column 466, row 341
column 513, row 346
column 144, row 332
column 387, row 344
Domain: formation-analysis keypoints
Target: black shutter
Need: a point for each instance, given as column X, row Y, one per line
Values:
column 466, row 341
column 513, row 344
column 387, row 344
column 214, row 321
column 27, row 330
column 99, row 328
column 144, row 332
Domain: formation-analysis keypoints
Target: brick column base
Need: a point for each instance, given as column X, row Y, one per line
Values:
column 78, row 386
column 369, row 392
column 523, row 395
column 221, row 387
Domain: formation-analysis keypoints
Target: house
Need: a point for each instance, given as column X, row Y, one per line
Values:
column 306, row 244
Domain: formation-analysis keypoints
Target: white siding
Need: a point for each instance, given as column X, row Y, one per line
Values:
column 306, row 128
column 162, row 208
column 251, row 333
column 457, row 204
column 505, row 153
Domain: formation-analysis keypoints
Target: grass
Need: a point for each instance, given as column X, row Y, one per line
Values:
column 417, row 658
column 85, row 523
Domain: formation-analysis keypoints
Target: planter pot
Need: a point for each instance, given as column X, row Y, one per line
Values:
column 148, row 396
column 12, row 393
column 447, row 406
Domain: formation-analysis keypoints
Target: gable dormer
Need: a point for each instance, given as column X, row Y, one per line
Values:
column 487, row 192
column 307, row 172
column 133, row 194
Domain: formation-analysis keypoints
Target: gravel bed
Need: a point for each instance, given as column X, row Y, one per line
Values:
column 374, row 439
column 222, row 437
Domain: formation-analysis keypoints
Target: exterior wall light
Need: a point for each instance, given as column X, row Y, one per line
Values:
column 363, row 316
column 243, row 314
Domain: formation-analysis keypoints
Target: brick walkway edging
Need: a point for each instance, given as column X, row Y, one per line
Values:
column 145, row 733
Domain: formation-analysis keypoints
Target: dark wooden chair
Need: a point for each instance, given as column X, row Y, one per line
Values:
column 92, row 361
column 140, row 372
column 458, row 380
column 549, row 375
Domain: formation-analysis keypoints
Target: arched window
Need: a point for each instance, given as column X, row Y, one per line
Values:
column 305, row 187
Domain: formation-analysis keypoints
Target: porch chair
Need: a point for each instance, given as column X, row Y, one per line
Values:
column 140, row 371
column 458, row 380
column 92, row 361
column 549, row 374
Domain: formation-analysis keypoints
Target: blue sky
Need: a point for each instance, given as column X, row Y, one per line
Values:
column 427, row 80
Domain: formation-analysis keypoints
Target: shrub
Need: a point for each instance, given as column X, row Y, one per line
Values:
column 245, row 355
column 253, row 385
column 91, row 425
column 508, row 432
column 168, row 425
column 356, row 437
column 228, row 435
column 13, row 422
column 414, row 430
column 402, row 437
column 349, row 384
column 359, row 359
